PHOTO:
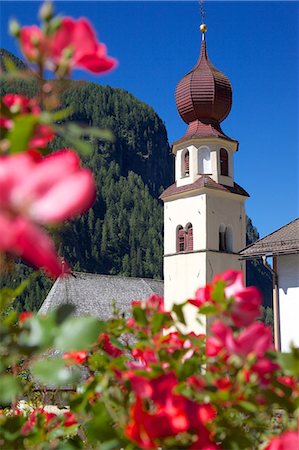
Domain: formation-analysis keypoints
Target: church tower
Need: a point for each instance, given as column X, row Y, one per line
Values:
column 204, row 215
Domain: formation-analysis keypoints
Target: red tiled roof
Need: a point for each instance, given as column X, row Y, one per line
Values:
column 203, row 182
column 198, row 129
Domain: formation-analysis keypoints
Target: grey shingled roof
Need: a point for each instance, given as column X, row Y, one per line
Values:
column 94, row 294
column 283, row 241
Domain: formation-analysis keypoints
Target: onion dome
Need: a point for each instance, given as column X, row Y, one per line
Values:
column 204, row 97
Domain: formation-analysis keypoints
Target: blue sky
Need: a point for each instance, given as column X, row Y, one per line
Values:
column 254, row 43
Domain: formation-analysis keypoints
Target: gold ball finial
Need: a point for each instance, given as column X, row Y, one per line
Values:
column 203, row 28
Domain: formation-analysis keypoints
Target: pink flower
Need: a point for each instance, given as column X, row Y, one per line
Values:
column 34, row 193
column 33, row 43
column 288, row 440
column 73, row 45
column 246, row 307
column 202, row 295
column 80, row 38
column 256, row 339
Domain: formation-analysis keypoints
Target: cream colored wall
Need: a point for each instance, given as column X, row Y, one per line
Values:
column 227, row 209
column 219, row 262
column 288, row 282
column 183, row 274
column 180, row 212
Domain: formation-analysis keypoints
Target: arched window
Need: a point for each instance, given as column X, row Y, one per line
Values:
column 229, row 239
column 204, row 161
column 181, row 239
column 189, row 233
column 186, row 170
column 223, row 162
column 222, row 238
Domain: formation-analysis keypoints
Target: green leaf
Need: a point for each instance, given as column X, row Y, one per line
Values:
column 289, row 362
column 41, row 333
column 54, row 372
column 247, row 406
column 100, row 427
column 19, row 136
column 178, row 310
column 139, row 315
column 207, row 310
column 78, row 333
column 9, row 389
column 62, row 114
column 158, row 321
column 63, row 312
column 83, row 147
column 218, row 291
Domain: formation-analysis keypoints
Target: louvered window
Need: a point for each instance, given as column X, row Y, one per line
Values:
column 186, row 164
column 181, row 239
column 189, row 237
column 223, row 162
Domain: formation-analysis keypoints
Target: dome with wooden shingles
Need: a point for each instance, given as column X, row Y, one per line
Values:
column 205, row 93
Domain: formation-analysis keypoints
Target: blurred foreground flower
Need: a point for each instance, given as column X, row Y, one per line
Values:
column 34, row 193
column 73, row 44
column 16, row 107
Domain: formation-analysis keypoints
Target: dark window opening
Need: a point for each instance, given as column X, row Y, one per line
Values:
column 223, row 162
column 222, row 240
column 186, row 164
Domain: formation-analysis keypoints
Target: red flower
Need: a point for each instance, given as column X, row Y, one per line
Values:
column 171, row 413
column 109, row 347
column 18, row 104
column 69, row 419
column 38, row 192
column 286, row 441
column 76, row 357
column 24, row 316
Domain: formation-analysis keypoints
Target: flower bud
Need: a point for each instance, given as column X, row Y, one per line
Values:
column 46, row 11
column 14, row 28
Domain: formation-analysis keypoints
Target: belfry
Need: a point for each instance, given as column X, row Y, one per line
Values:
column 204, row 214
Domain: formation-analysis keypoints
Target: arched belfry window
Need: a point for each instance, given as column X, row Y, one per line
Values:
column 189, row 235
column 180, row 239
column 223, row 162
column 229, row 239
column 204, row 161
column 186, row 164
column 222, row 238
column 226, row 243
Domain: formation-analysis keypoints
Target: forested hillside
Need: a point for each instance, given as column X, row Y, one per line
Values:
column 123, row 232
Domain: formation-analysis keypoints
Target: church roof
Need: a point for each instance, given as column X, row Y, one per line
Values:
column 198, row 129
column 204, row 93
column 203, row 182
column 283, row 241
column 94, row 294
